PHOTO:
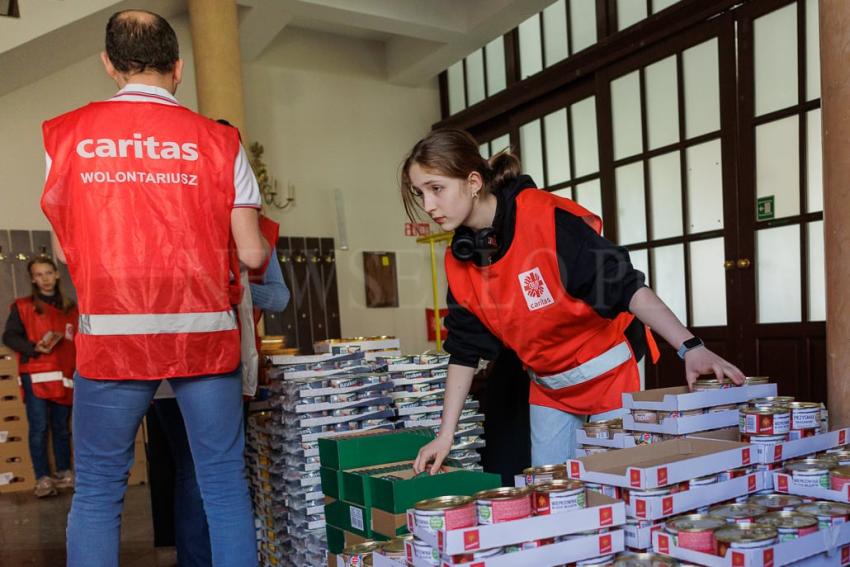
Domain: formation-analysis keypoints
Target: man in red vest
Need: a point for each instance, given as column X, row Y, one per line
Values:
column 148, row 201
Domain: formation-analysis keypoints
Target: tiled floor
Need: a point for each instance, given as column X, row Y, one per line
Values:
column 32, row 531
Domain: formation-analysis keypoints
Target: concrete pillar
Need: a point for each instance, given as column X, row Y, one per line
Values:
column 218, row 62
column 835, row 101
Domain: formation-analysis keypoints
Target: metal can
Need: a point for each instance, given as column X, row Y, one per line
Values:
column 804, row 415
column 648, row 493
column 406, row 402
column 809, row 473
column 771, row 401
column 727, row 407
column 503, row 504
column 704, row 384
column 662, row 415
column 756, row 380
column 695, row 531
column 347, row 426
column 774, row 420
column 395, row 548
column 343, row 382
column 424, row 552
column 544, row 473
column 702, row 481
column 734, row 473
column 373, row 422
column 339, row 398
column 596, row 430
column 841, row 456
column 763, row 439
column 445, row 512
column 360, row 554
column 828, row 513
column 635, row 559
column 614, row 492
column 739, row 513
column 341, row 412
column 420, row 387
column 744, row 537
column 558, row 496
column 644, row 416
column 796, row 434
column 789, row 525
column 776, row 502
column 432, row 400
column 839, row 477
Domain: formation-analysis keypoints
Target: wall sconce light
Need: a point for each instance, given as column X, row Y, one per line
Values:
column 267, row 182
column 21, row 257
column 270, row 197
column 2, row 255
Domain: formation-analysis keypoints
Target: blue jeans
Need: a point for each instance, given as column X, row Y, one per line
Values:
column 40, row 413
column 191, row 531
column 107, row 414
column 553, row 433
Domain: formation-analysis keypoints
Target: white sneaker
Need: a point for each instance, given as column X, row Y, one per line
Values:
column 64, row 479
column 44, row 487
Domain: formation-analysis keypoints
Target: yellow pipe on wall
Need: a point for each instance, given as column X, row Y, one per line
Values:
column 432, row 240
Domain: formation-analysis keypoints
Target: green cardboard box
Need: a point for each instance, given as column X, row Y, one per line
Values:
column 336, row 539
column 397, row 491
column 375, row 447
column 355, row 519
column 332, row 483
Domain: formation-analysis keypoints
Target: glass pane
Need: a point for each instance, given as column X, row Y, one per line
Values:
column 658, row 5
column 530, row 51
column 589, row 196
column 778, row 165
column 662, row 103
column 708, row 283
column 501, row 143
column 778, row 274
column 475, row 77
column 776, row 59
column 629, row 12
column 457, row 102
column 484, row 150
column 640, row 260
column 557, row 147
column 705, row 187
column 532, row 151
column 626, row 114
column 582, row 23
column 702, row 89
column 566, row 193
column 812, row 50
column 631, row 211
column 585, row 147
column 669, row 278
column 555, row 32
column 495, row 65
column 665, row 191
column 814, row 162
column 817, row 286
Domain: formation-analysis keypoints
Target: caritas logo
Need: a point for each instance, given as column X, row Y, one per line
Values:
column 137, row 147
column 535, row 290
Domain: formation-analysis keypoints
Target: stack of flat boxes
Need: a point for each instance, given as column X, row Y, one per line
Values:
column 16, row 472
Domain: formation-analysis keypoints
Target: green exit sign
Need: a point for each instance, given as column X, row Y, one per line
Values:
column 765, row 208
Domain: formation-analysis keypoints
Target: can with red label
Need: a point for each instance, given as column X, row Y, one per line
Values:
column 695, row 531
column 558, row 496
column 503, row 505
column 789, row 525
column 839, row 477
column 744, row 537
column 829, row 514
column 774, row 420
column 445, row 513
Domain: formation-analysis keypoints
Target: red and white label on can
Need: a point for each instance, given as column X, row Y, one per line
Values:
column 767, row 424
column 462, row 517
column 703, row 541
column 497, row 511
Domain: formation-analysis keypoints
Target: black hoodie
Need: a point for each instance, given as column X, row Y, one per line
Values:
column 593, row 269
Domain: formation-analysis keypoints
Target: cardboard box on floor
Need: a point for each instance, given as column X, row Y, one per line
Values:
column 680, row 399
column 8, row 362
column 8, row 384
column 661, row 464
column 16, row 476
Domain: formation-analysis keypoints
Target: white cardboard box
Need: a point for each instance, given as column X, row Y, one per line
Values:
column 787, row 552
column 619, row 441
column 686, row 424
column 640, row 538
column 378, row 560
column 661, row 464
column 658, row 507
column 785, row 483
column 340, row 347
column 793, row 449
column 546, row 556
column 680, row 399
column 601, row 512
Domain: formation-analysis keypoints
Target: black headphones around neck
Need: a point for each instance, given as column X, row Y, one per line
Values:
column 477, row 246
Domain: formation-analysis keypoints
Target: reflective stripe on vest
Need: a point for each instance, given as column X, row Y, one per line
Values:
column 55, row 376
column 158, row 323
column 593, row 368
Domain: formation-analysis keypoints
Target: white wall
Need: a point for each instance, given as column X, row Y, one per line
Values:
column 322, row 108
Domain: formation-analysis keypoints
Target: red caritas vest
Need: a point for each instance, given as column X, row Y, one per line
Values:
column 271, row 232
column 52, row 374
column 139, row 195
column 523, row 302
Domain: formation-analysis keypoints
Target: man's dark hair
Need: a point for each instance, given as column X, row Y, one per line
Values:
column 137, row 40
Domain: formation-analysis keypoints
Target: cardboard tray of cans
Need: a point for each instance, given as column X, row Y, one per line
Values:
column 659, row 507
column 601, row 512
column 619, row 441
column 784, row 483
column 569, row 551
column 357, row 344
column 685, row 424
column 680, row 399
column 378, row 560
column 661, row 464
column 784, row 553
column 639, row 536
column 801, row 447
column 356, row 389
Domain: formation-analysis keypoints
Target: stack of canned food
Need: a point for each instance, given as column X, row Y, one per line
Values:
column 762, row 521
column 311, row 397
column 419, row 383
column 766, row 421
column 829, row 470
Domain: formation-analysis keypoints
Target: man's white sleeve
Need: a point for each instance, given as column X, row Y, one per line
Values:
column 247, row 192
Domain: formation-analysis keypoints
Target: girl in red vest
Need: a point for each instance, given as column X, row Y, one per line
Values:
column 41, row 329
column 530, row 271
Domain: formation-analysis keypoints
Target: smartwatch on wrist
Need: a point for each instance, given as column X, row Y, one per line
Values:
column 690, row 344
